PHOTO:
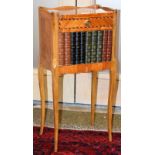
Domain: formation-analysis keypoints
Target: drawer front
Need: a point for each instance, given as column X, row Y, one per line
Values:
column 75, row 23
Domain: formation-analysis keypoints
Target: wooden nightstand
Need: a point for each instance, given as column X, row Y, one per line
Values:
column 72, row 19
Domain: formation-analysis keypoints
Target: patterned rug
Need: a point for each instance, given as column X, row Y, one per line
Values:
column 76, row 142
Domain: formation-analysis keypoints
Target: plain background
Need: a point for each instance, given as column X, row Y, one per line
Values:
column 138, row 77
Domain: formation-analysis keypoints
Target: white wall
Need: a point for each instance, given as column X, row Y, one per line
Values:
column 116, row 4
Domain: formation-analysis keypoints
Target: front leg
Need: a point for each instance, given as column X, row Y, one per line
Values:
column 42, row 96
column 93, row 96
column 112, row 87
column 55, row 82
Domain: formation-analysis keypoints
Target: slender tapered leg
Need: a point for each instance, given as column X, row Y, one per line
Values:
column 112, row 86
column 55, row 81
column 42, row 96
column 93, row 96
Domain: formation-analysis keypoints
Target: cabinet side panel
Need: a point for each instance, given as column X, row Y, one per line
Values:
column 45, row 34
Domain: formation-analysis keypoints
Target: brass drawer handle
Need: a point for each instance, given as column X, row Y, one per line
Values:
column 87, row 23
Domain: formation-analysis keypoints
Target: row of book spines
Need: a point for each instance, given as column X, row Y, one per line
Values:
column 98, row 46
column 94, row 41
column 85, row 47
column 78, row 47
column 93, row 47
column 64, row 49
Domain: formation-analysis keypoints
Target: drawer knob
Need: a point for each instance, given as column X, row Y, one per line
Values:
column 87, row 23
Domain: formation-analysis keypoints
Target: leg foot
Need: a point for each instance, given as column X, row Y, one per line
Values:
column 42, row 96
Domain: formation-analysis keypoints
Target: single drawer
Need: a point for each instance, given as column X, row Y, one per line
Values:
column 85, row 22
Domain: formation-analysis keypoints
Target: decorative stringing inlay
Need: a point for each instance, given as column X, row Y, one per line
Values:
column 75, row 23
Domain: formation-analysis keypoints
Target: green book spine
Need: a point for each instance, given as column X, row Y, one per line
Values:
column 94, row 46
column 99, row 46
column 88, row 47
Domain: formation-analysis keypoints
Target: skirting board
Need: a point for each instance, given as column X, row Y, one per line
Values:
column 78, row 107
column 83, row 88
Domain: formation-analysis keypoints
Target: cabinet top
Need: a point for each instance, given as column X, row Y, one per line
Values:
column 78, row 19
column 72, row 10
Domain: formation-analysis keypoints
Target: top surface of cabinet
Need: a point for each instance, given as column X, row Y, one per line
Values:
column 72, row 10
column 78, row 11
column 75, row 19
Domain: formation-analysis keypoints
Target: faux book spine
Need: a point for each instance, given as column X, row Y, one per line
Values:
column 67, row 49
column 94, row 47
column 82, row 47
column 109, row 45
column 105, row 43
column 73, row 48
column 99, row 46
column 78, row 47
column 88, row 47
column 61, row 53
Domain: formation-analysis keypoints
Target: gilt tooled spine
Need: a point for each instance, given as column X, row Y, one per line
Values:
column 78, row 48
column 61, row 53
column 105, row 43
column 82, row 47
column 88, row 47
column 67, row 59
column 94, row 47
column 73, row 47
column 99, row 46
column 109, row 45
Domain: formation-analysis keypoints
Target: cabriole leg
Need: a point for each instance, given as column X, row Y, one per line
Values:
column 112, row 86
column 55, row 81
column 42, row 96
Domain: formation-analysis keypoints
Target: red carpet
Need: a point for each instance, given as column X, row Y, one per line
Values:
column 74, row 142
